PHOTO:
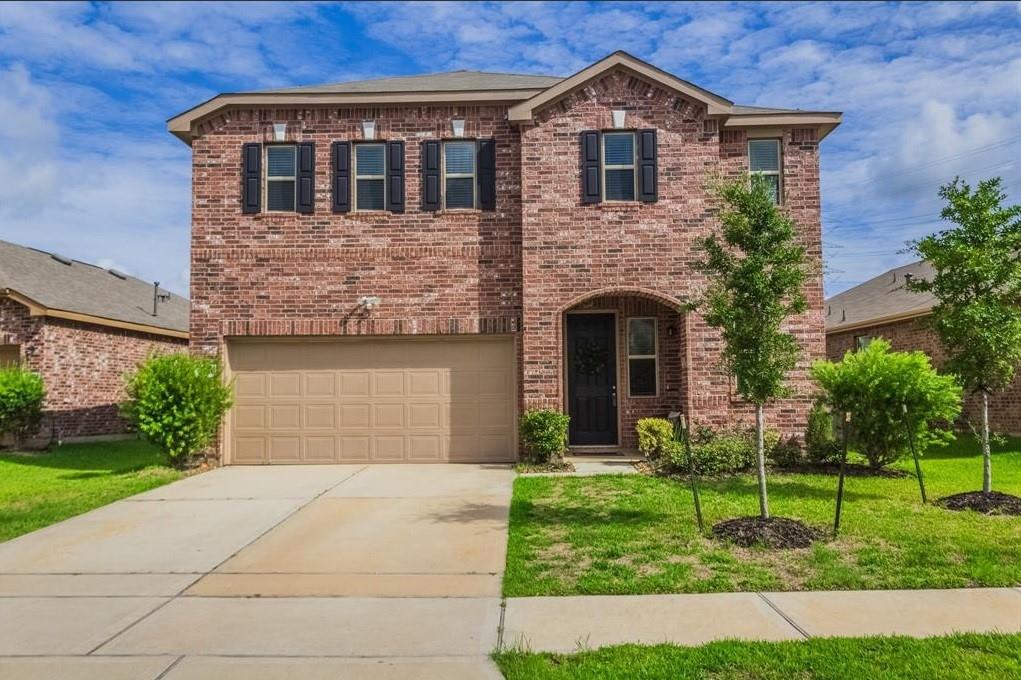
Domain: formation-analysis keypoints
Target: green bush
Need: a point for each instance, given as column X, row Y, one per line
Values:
column 786, row 452
column 719, row 452
column 21, row 402
column 821, row 445
column 544, row 434
column 655, row 437
column 177, row 401
column 874, row 384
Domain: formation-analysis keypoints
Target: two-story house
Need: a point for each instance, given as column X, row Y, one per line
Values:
column 394, row 269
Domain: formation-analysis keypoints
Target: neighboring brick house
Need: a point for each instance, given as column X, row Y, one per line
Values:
column 394, row 269
column 883, row 307
column 81, row 327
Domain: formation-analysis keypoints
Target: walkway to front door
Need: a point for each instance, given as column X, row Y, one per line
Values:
column 592, row 378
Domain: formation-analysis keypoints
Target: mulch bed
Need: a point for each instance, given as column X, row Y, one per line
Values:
column 992, row 503
column 776, row 532
column 558, row 466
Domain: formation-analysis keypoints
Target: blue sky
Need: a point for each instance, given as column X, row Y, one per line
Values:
column 87, row 168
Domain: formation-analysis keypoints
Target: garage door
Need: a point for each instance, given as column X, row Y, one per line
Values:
column 372, row 400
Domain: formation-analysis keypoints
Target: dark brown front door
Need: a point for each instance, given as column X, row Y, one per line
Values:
column 592, row 379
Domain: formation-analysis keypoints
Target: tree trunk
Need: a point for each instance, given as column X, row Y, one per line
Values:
column 760, row 450
column 987, row 462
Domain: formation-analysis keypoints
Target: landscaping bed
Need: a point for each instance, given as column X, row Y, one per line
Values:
column 962, row 657
column 637, row 534
column 37, row 489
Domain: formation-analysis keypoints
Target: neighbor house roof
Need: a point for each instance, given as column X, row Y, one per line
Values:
column 53, row 285
column 523, row 93
column 883, row 299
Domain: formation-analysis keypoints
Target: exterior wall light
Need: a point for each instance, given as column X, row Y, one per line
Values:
column 368, row 129
column 458, row 125
column 368, row 301
column 618, row 118
column 279, row 131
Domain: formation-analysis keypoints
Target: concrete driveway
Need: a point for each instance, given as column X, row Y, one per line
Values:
column 389, row 571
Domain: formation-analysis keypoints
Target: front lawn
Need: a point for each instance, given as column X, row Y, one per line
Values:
column 894, row 658
column 40, row 489
column 637, row 534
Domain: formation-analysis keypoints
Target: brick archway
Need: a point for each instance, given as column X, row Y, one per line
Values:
column 625, row 291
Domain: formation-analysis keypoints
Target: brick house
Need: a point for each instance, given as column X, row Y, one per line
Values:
column 81, row 327
column 883, row 307
column 394, row 269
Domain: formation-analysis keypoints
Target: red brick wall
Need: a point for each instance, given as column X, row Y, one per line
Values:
column 453, row 271
column 570, row 250
column 82, row 366
column 912, row 334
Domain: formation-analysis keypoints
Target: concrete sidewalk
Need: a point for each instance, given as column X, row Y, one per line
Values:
column 570, row 624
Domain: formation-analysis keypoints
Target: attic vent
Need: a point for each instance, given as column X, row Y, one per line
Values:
column 119, row 274
column 61, row 259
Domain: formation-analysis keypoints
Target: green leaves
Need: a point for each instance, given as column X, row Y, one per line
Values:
column 757, row 273
column 874, row 385
column 21, row 401
column 177, row 402
column 544, row 434
column 977, row 283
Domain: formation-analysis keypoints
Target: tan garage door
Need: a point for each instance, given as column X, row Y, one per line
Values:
column 372, row 400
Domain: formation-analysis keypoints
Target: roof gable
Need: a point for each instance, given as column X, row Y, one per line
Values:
column 525, row 110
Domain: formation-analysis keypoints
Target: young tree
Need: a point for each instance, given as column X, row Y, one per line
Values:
column 756, row 275
column 977, row 285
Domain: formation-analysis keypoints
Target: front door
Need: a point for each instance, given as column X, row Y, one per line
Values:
column 592, row 379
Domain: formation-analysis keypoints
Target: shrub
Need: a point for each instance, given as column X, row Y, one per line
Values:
column 544, row 434
column 177, row 401
column 655, row 437
column 721, row 452
column 874, row 384
column 21, row 402
column 787, row 452
column 821, row 443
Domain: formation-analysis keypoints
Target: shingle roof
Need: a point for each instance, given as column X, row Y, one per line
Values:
column 84, row 288
column 449, row 81
column 880, row 298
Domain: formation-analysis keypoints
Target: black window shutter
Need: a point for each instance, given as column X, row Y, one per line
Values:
column 486, row 175
column 251, row 182
column 590, row 185
column 395, row 177
column 306, row 198
column 340, row 160
column 647, row 170
column 431, row 174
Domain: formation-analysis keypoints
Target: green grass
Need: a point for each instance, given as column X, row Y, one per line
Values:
column 892, row 658
column 637, row 534
column 40, row 489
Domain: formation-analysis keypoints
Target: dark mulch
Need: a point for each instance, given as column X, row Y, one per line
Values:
column 992, row 503
column 851, row 470
column 553, row 466
column 775, row 532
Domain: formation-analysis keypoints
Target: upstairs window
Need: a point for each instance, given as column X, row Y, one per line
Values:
column 618, row 166
column 641, row 357
column 370, row 176
column 459, row 174
column 281, row 168
column 764, row 164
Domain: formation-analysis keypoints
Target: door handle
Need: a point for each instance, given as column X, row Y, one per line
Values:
column 613, row 396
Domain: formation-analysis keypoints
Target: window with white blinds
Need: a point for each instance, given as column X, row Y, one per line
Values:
column 281, row 169
column 459, row 174
column 370, row 176
column 764, row 165
column 619, row 166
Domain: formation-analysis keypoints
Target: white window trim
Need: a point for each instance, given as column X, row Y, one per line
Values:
column 354, row 172
column 603, row 167
column 460, row 175
column 267, row 179
column 778, row 173
column 654, row 356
